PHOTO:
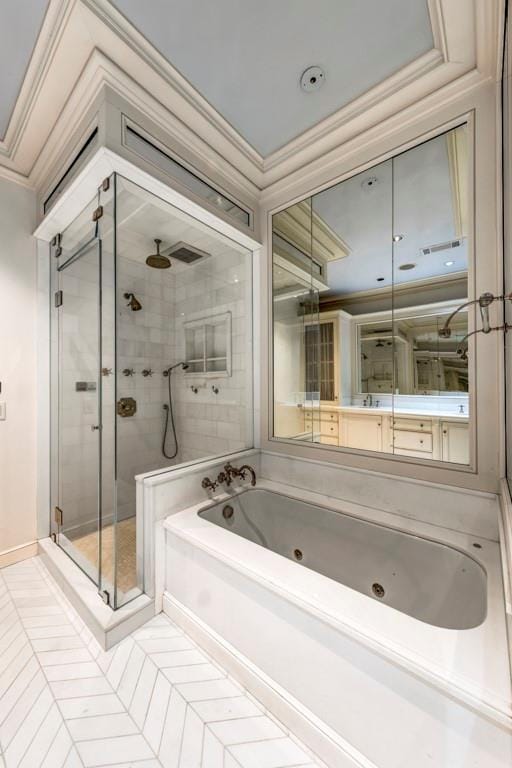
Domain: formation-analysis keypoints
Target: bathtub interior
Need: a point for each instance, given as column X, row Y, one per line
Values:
column 429, row 580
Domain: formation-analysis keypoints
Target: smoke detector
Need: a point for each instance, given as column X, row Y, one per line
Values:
column 312, row 79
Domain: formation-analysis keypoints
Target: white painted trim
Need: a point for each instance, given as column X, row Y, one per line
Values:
column 315, row 734
column 105, row 162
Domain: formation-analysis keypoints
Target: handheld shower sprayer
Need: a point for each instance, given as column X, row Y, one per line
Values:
column 169, row 411
column 171, row 368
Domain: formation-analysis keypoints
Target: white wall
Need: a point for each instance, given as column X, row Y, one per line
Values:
column 18, row 275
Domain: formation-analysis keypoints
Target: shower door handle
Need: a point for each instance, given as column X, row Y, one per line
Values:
column 94, row 427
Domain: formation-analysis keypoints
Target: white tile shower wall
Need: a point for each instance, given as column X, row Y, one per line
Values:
column 211, row 422
column 145, row 341
column 207, row 423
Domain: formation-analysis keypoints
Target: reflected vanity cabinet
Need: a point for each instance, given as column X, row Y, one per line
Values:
column 438, row 438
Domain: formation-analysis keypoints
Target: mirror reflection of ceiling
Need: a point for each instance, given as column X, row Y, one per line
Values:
column 21, row 22
column 246, row 58
column 419, row 196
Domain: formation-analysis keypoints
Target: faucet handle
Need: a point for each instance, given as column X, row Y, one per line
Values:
column 224, row 477
column 208, row 484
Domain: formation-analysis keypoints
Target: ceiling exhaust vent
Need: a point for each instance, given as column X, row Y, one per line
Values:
column 441, row 247
column 188, row 254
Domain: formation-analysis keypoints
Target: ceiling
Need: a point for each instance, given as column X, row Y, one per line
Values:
column 21, row 22
column 410, row 195
column 246, row 58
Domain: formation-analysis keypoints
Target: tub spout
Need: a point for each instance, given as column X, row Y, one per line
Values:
column 230, row 472
column 247, row 469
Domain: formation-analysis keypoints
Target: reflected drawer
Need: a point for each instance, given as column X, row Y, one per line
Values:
column 329, row 416
column 318, row 415
column 326, row 428
column 415, row 425
column 412, row 441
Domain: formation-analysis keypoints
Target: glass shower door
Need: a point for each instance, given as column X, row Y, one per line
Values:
column 78, row 509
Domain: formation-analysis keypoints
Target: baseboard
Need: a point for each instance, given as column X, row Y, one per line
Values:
column 16, row 554
column 315, row 734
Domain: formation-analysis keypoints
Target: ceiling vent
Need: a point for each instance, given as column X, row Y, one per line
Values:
column 441, row 247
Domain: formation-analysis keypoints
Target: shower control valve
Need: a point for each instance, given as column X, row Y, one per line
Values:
column 147, row 372
column 128, row 371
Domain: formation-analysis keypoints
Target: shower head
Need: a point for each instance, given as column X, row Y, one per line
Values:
column 156, row 260
column 133, row 303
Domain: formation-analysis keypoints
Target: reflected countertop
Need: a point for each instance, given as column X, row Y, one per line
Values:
column 419, row 412
column 404, row 412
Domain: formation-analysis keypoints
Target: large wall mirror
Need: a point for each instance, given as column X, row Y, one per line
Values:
column 365, row 278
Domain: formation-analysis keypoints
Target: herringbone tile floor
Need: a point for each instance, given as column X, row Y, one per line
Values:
column 154, row 701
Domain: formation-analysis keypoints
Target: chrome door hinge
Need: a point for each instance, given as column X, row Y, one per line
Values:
column 58, row 515
column 98, row 213
column 105, row 186
column 105, row 597
column 58, row 298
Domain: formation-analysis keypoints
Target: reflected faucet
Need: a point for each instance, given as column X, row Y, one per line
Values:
column 484, row 301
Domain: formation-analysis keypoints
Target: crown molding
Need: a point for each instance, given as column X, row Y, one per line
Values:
column 84, row 44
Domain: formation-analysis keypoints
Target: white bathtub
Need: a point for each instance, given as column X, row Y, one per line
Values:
column 418, row 676
column 431, row 581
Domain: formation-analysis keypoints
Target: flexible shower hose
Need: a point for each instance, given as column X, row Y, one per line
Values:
column 168, row 410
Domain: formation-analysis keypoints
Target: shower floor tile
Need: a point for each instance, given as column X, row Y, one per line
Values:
column 126, row 561
column 155, row 700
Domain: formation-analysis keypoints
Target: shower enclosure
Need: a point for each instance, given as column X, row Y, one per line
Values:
column 151, row 368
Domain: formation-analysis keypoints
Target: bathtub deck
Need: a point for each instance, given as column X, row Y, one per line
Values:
column 153, row 701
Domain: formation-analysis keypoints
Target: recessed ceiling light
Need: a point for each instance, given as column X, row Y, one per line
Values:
column 405, row 267
column 397, row 238
column 449, row 263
